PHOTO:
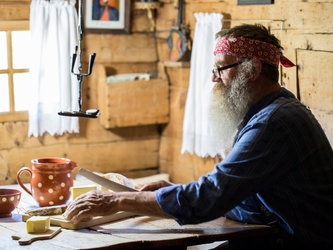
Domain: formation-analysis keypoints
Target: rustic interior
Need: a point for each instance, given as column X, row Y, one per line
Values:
column 138, row 148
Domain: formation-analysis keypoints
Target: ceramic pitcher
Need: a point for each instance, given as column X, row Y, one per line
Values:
column 51, row 180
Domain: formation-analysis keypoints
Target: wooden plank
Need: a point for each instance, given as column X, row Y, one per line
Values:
column 299, row 39
column 325, row 119
column 163, row 49
column 315, row 74
column 15, row 135
column 179, row 76
column 5, row 177
column 14, row 116
column 289, row 75
column 100, row 157
column 121, row 48
column 177, row 105
column 301, row 15
column 179, row 80
column 116, row 156
column 15, row 1
column 128, row 67
column 162, row 71
column 14, row 11
column 10, row 73
column 136, row 103
column 12, row 134
column 308, row 16
column 14, row 25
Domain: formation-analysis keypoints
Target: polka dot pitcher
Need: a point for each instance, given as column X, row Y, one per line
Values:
column 51, row 180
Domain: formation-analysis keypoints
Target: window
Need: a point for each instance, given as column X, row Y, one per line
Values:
column 14, row 70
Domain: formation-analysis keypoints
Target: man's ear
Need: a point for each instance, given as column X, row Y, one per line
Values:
column 257, row 68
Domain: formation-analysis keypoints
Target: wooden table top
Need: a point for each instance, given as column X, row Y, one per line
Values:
column 142, row 231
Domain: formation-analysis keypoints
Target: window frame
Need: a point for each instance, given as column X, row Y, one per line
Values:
column 10, row 26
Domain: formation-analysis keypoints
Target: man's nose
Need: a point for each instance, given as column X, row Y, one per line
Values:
column 216, row 79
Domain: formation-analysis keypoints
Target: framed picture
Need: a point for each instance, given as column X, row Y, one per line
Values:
column 253, row 2
column 106, row 16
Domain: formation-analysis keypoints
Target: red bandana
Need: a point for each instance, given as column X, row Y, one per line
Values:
column 250, row 48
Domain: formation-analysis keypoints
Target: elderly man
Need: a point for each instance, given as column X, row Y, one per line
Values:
column 279, row 170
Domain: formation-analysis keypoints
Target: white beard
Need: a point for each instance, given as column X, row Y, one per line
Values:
column 229, row 106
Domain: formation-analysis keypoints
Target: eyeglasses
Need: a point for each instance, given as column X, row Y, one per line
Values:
column 217, row 71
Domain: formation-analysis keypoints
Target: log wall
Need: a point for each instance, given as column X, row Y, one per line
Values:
column 132, row 151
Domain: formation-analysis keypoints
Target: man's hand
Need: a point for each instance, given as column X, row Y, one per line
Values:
column 93, row 203
column 100, row 203
column 154, row 185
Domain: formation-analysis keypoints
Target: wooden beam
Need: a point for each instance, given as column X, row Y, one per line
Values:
column 15, row 1
column 6, row 71
column 14, row 25
column 10, row 69
column 14, row 116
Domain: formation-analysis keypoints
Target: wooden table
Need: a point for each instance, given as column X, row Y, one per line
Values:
column 140, row 232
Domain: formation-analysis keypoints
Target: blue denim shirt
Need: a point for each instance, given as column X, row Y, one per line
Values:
column 280, row 168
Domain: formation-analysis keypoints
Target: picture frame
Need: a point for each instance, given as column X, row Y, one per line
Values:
column 111, row 17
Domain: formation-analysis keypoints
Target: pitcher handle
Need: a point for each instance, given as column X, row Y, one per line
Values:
column 74, row 164
column 19, row 180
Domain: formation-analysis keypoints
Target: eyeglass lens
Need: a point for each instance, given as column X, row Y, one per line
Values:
column 217, row 71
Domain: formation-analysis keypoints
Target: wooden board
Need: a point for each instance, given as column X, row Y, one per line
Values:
column 18, row 11
column 315, row 78
column 58, row 220
column 138, row 47
column 26, row 239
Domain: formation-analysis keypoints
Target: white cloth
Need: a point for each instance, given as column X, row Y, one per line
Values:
column 53, row 39
column 197, row 134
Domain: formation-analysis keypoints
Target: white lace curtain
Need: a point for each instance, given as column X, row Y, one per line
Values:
column 197, row 135
column 53, row 38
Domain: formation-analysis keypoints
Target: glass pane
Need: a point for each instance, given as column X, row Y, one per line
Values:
column 4, row 93
column 20, row 44
column 22, row 91
column 3, row 50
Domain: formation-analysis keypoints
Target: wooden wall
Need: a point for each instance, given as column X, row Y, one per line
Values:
column 132, row 151
column 304, row 26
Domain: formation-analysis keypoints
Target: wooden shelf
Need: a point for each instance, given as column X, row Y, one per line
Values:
column 132, row 103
